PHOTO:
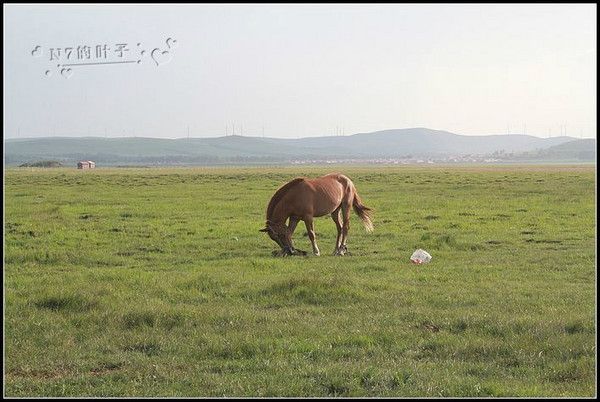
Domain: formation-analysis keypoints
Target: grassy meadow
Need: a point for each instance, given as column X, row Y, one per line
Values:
column 156, row 282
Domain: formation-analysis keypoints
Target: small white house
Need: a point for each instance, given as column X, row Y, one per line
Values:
column 86, row 165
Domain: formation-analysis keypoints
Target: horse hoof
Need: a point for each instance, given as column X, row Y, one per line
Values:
column 299, row 252
column 341, row 251
column 286, row 253
column 280, row 253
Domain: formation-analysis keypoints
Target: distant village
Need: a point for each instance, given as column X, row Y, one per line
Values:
column 404, row 161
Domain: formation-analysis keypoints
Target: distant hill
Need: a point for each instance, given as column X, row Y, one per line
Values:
column 577, row 150
column 427, row 142
column 401, row 143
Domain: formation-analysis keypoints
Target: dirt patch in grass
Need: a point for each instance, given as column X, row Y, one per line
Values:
column 543, row 241
column 106, row 368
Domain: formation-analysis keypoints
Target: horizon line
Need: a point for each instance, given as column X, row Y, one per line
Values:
column 294, row 138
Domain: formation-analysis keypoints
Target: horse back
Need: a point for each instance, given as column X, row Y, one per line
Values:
column 330, row 192
column 305, row 197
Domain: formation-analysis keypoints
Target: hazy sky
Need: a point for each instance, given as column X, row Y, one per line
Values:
column 299, row 70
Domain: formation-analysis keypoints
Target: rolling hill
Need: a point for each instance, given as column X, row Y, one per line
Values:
column 399, row 143
column 577, row 150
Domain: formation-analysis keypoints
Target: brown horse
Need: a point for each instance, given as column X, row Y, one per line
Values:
column 304, row 199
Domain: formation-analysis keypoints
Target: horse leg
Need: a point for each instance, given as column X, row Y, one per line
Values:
column 335, row 215
column 291, row 227
column 311, row 234
column 345, row 228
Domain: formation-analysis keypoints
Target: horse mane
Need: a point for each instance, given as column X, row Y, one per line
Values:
column 279, row 195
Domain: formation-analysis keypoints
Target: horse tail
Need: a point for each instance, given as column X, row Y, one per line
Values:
column 363, row 212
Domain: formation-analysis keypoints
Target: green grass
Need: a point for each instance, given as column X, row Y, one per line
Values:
column 156, row 282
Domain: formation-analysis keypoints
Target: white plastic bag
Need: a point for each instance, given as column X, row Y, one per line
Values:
column 420, row 257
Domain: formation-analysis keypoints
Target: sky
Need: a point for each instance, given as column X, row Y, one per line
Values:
column 294, row 70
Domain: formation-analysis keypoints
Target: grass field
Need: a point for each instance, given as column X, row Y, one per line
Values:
column 156, row 282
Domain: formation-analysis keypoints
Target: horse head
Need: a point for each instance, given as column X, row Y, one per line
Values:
column 280, row 234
